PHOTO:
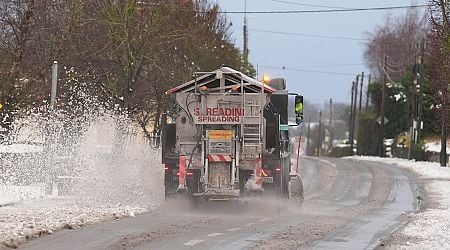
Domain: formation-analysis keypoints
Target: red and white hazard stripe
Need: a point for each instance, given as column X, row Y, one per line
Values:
column 182, row 172
column 258, row 172
column 170, row 91
column 220, row 158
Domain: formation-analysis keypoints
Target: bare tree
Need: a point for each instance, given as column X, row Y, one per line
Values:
column 34, row 33
column 15, row 26
column 398, row 39
column 129, row 52
column 439, row 49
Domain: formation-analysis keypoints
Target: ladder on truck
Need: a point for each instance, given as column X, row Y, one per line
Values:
column 251, row 122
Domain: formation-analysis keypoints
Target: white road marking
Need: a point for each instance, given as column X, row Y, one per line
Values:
column 265, row 219
column 234, row 229
column 250, row 224
column 214, row 234
column 193, row 242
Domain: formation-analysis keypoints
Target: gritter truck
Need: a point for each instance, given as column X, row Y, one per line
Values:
column 229, row 136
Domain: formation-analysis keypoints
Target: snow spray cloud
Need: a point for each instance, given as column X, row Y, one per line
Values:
column 84, row 150
column 124, row 170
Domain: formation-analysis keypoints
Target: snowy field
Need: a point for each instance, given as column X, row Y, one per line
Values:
column 430, row 227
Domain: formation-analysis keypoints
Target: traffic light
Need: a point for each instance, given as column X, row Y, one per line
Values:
column 299, row 109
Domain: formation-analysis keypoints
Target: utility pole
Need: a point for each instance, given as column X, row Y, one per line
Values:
column 319, row 143
column 419, row 91
column 444, row 115
column 416, row 98
column 360, row 105
column 307, row 136
column 350, row 123
column 413, row 111
column 367, row 95
column 443, row 154
column 383, row 100
column 245, row 52
column 54, row 85
column 330, row 143
column 354, row 112
column 360, row 92
column 257, row 71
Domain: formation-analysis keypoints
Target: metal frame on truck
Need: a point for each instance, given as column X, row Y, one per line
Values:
column 228, row 136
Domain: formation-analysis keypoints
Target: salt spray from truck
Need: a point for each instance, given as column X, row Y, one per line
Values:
column 228, row 137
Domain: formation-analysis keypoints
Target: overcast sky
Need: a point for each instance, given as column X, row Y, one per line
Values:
column 320, row 68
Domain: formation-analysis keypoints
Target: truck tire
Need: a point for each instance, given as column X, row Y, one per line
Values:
column 243, row 177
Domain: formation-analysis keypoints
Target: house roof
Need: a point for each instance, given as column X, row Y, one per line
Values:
column 212, row 81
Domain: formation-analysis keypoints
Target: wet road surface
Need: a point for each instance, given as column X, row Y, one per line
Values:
column 348, row 205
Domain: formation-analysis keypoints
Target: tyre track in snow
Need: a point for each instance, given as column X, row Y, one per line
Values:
column 348, row 226
column 342, row 197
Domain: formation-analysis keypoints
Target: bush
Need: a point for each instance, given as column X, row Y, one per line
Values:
column 400, row 149
column 341, row 151
column 369, row 135
column 418, row 152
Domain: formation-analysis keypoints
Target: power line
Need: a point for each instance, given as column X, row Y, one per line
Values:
column 309, row 35
column 305, row 70
column 308, row 5
column 303, row 59
column 324, row 11
column 334, row 65
column 291, row 56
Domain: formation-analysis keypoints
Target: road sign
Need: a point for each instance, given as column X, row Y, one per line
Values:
column 1, row 106
column 385, row 120
column 220, row 134
column 302, row 152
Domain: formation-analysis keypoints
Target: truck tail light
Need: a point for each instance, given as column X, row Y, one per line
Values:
column 263, row 173
column 187, row 173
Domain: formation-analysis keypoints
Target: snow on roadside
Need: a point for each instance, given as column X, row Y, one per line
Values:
column 29, row 219
column 435, row 147
column 429, row 228
column 12, row 194
column 20, row 148
column 108, row 172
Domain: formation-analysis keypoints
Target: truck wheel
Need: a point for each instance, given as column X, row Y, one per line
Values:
column 243, row 177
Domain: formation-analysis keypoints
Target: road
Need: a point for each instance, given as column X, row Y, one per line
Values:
column 348, row 205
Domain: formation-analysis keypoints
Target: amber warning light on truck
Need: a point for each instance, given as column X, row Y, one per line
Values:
column 218, row 115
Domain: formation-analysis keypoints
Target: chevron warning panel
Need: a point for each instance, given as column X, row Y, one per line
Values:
column 219, row 158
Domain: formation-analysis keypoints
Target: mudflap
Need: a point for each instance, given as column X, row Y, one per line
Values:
column 295, row 188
